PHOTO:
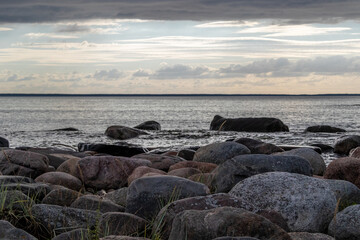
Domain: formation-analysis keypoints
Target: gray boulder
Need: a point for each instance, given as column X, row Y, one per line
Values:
column 113, row 223
column 324, row 128
column 309, row 236
column 60, row 178
column 36, row 191
column 149, row 125
column 259, row 147
column 219, row 152
column 224, row 221
column 346, row 143
column 81, row 234
column 118, row 196
column 307, row 204
column 96, row 203
column 346, row 192
column 346, row 224
column 9, row 232
column 15, row 179
column 147, row 195
column 14, row 200
column 229, row 173
column 61, row 197
column 122, row 132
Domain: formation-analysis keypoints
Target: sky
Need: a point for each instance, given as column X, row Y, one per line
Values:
column 180, row 47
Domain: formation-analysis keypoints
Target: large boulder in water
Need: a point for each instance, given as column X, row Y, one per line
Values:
column 324, row 128
column 307, row 204
column 346, row 143
column 4, row 142
column 229, row 173
column 122, row 132
column 220, row 152
column 344, row 169
column 118, row 149
column 149, row 125
column 248, row 124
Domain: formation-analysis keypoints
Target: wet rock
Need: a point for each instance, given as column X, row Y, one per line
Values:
column 61, row 197
column 149, row 125
column 307, row 204
column 309, row 236
column 224, row 221
column 355, row 153
column 346, row 224
column 62, row 219
column 141, row 171
column 119, row 149
column 9, row 232
column 204, row 167
column 21, row 163
column 60, row 178
column 113, row 223
column 346, row 193
column 219, row 152
column 118, row 196
column 258, row 147
column 323, row 147
column 346, row 143
column 229, row 173
column 122, row 132
column 344, row 169
column 187, row 154
column 324, row 128
column 248, row 124
column 184, row 172
column 164, row 220
column 147, row 195
column 68, row 129
column 291, row 147
column 315, row 159
column 160, row 162
column 36, row 191
column 4, row 142
column 96, row 203
column 107, row 172
column 81, row 233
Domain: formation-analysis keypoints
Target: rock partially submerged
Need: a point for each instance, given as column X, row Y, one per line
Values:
column 259, row 147
column 4, row 142
column 324, row 128
column 346, row 143
column 149, row 125
column 118, row 149
column 122, row 132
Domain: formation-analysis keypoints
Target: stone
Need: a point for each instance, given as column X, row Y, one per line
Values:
column 274, row 217
column 160, row 162
column 184, row 172
column 21, row 163
column 15, row 179
column 235, row 238
column 241, row 167
column 344, row 169
column 4, row 142
column 346, row 143
column 204, row 178
column 9, row 232
column 123, row 133
column 118, row 196
column 164, row 220
column 324, row 128
column 204, row 167
column 68, row 129
column 60, row 178
column 346, row 193
column 248, row 124
column 288, row 147
column 14, row 200
column 187, row 154
column 59, row 219
column 355, row 153
column 323, row 147
column 118, row 149
column 224, row 221
column 107, row 172
column 307, row 204
column 346, row 224
column 61, row 197
column 70, row 166
column 149, row 125
column 96, row 203
column 36, row 191
column 113, row 223
column 147, row 195
column 309, row 236
column 117, row 237
column 218, row 153
column 258, row 147
column 81, row 234
column 141, row 171
column 315, row 159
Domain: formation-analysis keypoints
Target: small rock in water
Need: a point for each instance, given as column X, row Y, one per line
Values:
column 324, row 128
column 69, row 129
column 122, row 132
column 4, row 142
column 149, row 125
column 346, row 143
column 119, row 149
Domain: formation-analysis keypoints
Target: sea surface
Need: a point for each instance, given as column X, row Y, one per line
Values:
column 185, row 120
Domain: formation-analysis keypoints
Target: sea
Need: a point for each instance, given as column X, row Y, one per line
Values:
column 185, row 120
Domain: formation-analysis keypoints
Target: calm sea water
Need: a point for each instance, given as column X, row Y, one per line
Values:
column 185, row 121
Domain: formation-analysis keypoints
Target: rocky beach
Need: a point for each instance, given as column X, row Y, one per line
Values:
column 242, row 188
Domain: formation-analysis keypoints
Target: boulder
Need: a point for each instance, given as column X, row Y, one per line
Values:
column 344, row 169
column 141, row 171
column 14, row 200
column 204, row 178
column 204, row 167
column 258, row 147
column 323, row 147
column 149, row 125
column 220, row 152
column 307, row 204
column 224, row 221
column 36, row 191
column 346, row 225
column 67, row 129
column 288, row 147
column 107, row 172
column 4, row 142
column 9, row 232
column 96, row 203
column 21, row 163
column 118, row 196
column 309, row 236
column 346, row 143
column 355, row 153
column 60, row 178
column 15, row 179
column 184, row 172
column 274, row 217
column 346, row 193
column 147, row 195
column 70, row 166
column 118, row 237
column 235, row 238
column 315, row 159
column 324, row 128
column 123, row 133
column 229, row 173
column 164, row 220
column 118, row 149
column 187, row 154
column 161, row 162
column 248, row 124
column 61, row 197
column 81, row 234
column 113, row 223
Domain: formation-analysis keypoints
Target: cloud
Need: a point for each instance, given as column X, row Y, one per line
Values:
column 222, row 24
column 49, row 35
column 110, row 75
column 181, row 71
column 3, row 29
column 294, row 11
column 17, row 78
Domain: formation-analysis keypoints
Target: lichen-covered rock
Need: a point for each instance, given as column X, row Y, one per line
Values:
column 161, row 162
column 307, row 204
column 344, row 169
column 218, row 153
column 346, row 192
column 9, row 232
column 141, row 171
column 259, row 147
column 346, row 143
column 147, row 195
column 122, row 132
column 346, row 224
column 60, row 178
column 224, row 221
column 96, row 203
column 113, row 223
column 118, row 196
column 61, row 197
column 309, row 236
column 229, row 173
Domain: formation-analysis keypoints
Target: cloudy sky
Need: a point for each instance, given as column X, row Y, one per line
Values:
column 172, row 46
